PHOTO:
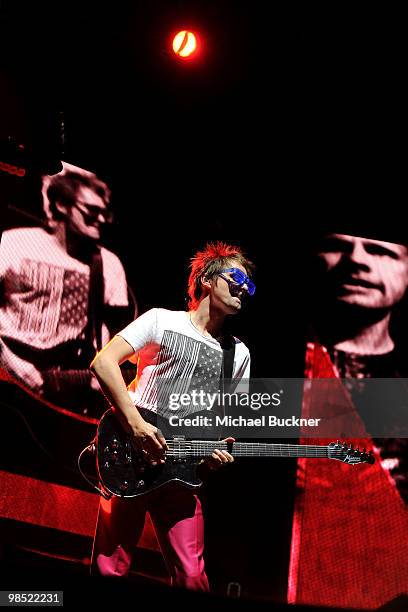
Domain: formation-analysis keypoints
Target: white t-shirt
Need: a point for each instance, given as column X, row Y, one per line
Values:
column 46, row 290
column 174, row 357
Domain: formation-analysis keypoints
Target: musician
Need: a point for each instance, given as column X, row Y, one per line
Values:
column 174, row 345
column 60, row 290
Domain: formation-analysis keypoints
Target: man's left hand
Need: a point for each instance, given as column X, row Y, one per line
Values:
column 219, row 457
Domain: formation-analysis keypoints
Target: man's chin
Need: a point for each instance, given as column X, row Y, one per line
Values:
column 93, row 234
column 235, row 306
column 359, row 301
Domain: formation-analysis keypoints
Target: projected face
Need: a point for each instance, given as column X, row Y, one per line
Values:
column 364, row 272
column 88, row 214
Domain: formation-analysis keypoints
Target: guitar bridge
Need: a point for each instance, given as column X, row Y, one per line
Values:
column 128, row 452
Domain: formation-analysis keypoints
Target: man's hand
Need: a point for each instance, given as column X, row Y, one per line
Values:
column 148, row 439
column 219, row 458
column 21, row 369
column 105, row 366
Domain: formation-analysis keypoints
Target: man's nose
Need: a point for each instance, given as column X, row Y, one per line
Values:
column 359, row 255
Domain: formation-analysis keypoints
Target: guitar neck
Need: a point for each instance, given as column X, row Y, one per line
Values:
column 203, row 448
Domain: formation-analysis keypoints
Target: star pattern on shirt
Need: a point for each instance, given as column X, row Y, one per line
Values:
column 74, row 301
column 207, row 372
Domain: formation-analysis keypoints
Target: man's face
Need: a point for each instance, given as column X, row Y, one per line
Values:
column 364, row 272
column 87, row 215
column 228, row 296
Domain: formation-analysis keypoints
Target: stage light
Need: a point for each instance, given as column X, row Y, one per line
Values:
column 185, row 44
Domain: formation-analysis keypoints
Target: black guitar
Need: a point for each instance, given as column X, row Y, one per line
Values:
column 124, row 472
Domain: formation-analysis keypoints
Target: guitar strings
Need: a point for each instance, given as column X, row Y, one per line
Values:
column 203, row 447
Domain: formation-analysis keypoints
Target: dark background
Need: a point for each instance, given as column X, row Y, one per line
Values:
column 289, row 123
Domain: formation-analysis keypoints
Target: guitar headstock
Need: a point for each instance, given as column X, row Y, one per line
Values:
column 348, row 454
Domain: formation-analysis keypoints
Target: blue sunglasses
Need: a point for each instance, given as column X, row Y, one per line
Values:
column 239, row 278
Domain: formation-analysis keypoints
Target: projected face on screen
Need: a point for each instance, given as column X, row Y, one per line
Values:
column 59, row 287
column 358, row 338
column 364, row 272
column 79, row 199
column 358, row 303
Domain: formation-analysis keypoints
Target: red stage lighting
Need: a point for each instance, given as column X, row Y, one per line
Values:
column 185, row 44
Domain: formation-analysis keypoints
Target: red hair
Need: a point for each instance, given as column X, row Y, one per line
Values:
column 208, row 263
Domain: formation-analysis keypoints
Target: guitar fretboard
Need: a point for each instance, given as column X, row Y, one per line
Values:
column 203, row 448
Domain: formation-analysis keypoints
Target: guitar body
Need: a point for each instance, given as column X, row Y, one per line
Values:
column 124, row 472
column 59, row 375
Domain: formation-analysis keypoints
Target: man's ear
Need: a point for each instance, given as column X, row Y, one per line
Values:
column 206, row 282
column 62, row 208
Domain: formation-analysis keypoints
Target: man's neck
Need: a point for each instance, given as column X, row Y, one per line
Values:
column 73, row 244
column 208, row 320
column 371, row 339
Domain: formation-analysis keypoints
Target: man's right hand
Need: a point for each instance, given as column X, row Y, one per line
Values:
column 21, row 369
column 148, row 439
column 105, row 366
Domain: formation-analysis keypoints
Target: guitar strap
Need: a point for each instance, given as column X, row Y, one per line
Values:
column 96, row 301
column 228, row 354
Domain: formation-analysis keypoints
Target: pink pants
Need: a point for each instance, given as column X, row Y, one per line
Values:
column 178, row 521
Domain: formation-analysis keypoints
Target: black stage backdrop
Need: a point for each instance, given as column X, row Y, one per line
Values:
column 278, row 131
